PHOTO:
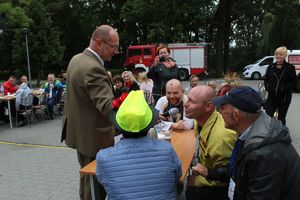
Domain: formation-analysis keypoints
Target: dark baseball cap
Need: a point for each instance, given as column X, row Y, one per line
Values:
column 243, row 97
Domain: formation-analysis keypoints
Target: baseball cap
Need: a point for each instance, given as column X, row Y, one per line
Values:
column 243, row 97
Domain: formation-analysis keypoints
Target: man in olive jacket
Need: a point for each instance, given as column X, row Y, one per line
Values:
column 215, row 144
column 86, row 124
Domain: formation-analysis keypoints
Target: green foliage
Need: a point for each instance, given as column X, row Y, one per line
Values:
column 59, row 29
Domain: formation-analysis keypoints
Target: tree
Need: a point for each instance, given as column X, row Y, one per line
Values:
column 46, row 52
column 12, row 18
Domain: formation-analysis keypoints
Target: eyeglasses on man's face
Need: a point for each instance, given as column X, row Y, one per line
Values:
column 115, row 47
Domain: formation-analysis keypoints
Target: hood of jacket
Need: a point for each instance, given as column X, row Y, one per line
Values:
column 265, row 131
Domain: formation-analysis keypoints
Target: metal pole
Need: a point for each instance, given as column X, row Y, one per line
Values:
column 28, row 61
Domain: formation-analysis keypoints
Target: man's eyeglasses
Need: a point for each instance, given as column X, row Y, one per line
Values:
column 115, row 47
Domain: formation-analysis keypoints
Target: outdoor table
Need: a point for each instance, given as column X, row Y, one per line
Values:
column 8, row 98
column 183, row 142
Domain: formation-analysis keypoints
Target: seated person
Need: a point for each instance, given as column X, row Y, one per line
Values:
column 121, row 91
column 10, row 86
column 212, row 84
column 53, row 89
column 22, row 102
column 126, row 170
column 174, row 98
column 130, row 81
column 224, row 88
column 194, row 80
column 146, row 84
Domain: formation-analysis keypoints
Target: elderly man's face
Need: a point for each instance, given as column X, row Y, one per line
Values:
column 24, row 79
column 229, row 115
column 51, row 79
column 174, row 94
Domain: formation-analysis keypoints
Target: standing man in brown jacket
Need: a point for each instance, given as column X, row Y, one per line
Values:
column 86, row 124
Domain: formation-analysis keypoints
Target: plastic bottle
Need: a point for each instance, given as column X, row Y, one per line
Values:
column 2, row 90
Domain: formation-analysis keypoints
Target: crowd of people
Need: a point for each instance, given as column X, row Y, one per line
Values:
column 241, row 152
column 21, row 89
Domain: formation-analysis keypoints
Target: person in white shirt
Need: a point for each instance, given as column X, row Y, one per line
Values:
column 174, row 98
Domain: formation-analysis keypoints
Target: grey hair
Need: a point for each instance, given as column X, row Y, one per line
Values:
column 249, row 116
column 102, row 32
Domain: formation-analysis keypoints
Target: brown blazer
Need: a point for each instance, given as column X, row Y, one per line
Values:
column 86, row 123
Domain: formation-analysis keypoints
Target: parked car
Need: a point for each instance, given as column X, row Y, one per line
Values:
column 258, row 69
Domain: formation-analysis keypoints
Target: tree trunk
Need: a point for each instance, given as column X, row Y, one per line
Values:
column 227, row 29
column 220, row 14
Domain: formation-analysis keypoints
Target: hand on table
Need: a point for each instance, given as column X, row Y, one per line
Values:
column 178, row 125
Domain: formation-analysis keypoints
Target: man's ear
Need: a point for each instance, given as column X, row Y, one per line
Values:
column 236, row 114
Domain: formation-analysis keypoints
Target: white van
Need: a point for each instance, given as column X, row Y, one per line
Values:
column 258, row 69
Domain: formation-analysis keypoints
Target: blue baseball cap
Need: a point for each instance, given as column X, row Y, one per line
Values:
column 244, row 98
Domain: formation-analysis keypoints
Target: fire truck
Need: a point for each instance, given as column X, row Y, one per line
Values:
column 191, row 58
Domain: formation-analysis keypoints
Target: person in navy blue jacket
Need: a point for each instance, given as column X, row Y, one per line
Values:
column 138, row 167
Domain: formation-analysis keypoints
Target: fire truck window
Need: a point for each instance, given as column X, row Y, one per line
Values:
column 134, row 52
column 147, row 52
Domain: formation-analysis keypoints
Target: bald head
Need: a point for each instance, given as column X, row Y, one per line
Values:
column 174, row 92
column 202, row 93
column 198, row 105
column 174, row 83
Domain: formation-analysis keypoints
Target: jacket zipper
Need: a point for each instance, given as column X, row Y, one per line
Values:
column 278, row 80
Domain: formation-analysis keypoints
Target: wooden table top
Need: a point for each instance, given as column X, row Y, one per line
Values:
column 183, row 142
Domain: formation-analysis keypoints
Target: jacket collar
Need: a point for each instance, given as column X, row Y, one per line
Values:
column 90, row 52
column 209, row 124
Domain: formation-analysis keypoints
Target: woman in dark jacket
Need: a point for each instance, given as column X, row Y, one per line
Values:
column 163, row 70
column 280, row 80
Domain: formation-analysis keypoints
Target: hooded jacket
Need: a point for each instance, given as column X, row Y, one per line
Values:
column 267, row 165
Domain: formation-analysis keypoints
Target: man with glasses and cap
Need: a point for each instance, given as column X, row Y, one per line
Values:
column 138, row 166
column 264, row 164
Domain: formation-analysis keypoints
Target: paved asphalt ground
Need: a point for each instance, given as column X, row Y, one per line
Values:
column 35, row 165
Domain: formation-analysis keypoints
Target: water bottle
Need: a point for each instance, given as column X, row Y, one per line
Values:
column 2, row 90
